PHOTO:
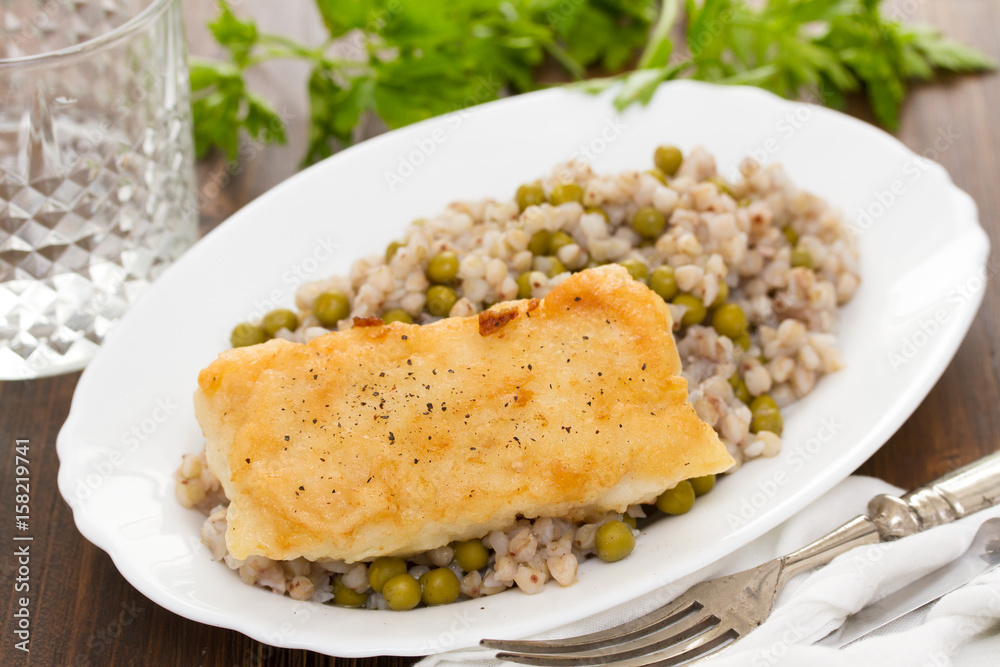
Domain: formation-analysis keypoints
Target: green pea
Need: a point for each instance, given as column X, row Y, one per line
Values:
column 630, row 520
column 649, row 222
column 383, row 569
column 246, row 334
column 331, row 307
column 668, row 159
column 695, row 312
column 599, row 211
column 723, row 294
column 801, row 257
column 401, row 592
column 743, row 340
column 530, row 194
column 767, row 419
column 636, row 268
column 440, row 300
column 763, row 401
column 766, row 415
column 347, row 597
column 557, row 267
column 658, row 174
column 390, row 251
column 729, row 320
column 565, row 192
column 471, row 555
column 663, row 282
column 740, row 388
column 397, row 315
column 677, row 500
column 524, row 285
column 702, row 485
column 614, row 541
column 280, row 319
column 539, row 243
column 443, row 268
column 791, row 235
column 559, row 240
column 440, row 586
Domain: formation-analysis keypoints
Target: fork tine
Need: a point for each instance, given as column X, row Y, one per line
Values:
column 659, row 618
column 713, row 640
column 665, row 638
column 718, row 642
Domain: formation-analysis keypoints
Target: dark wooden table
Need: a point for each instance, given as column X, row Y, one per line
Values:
column 85, row 613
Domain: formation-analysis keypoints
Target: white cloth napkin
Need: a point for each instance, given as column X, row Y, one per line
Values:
column 962, row 629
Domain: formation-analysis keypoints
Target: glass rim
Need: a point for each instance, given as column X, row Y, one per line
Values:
column 119, row 34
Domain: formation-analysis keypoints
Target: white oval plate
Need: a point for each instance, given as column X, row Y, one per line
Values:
column 922, row 251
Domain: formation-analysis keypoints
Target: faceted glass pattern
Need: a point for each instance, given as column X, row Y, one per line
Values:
column 96, row 172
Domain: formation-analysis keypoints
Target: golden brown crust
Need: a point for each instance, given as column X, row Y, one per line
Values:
column 394, row 439
column 492, row 320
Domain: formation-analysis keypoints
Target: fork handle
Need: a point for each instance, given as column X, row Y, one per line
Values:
column 958, row 494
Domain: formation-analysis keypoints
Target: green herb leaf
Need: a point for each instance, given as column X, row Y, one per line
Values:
column 216, row 95
column 414, row 89
column 607, row 34
column 943, row 53
column 335, row 110
column 222, row 107
column 421, row 59
column 238, row 35
column 262, row 121
column 342, row 16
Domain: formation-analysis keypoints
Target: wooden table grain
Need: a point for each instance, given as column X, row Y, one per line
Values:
column 84, row 613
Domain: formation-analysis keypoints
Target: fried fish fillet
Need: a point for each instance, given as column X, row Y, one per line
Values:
column 395, row 439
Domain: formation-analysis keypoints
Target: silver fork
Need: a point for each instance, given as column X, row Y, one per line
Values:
column 713, row 615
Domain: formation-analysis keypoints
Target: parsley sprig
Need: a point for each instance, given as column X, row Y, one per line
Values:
column 825, row 49
column 407, row 60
